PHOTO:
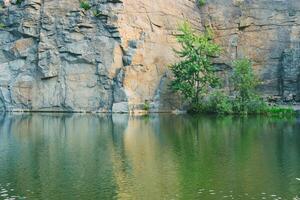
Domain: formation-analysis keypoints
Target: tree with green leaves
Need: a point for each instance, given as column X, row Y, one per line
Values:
column 244, row 79
column 245, row 83
column 246, row 99
column 194, row 74
column 195, row 78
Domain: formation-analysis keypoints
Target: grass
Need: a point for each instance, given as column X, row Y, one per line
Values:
column 97, row 13
column 280, row 111
column 264, row 109
column 85, row 5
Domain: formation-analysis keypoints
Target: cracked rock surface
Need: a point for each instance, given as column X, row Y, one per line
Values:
column 267, row 32
column 55, row 56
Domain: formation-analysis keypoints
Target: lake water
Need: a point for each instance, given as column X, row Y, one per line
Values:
column 86, row 157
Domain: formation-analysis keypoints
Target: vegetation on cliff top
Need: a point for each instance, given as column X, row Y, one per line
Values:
column 196, row 79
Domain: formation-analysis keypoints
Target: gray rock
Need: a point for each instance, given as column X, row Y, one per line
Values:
column 121, row 107
column 290, row 74
column 49, row 63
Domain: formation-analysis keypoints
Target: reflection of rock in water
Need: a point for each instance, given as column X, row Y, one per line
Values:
column 141, row 163
column 66, row 156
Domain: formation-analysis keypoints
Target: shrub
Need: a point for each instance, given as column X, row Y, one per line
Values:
column 246, row 100
column 195, row 79
column 244, row 80
column 85, row 5
column 146, row 106
column 216, row 102
column 221, row 103
column 244, row 83
column 194, row 75
column 253, row 106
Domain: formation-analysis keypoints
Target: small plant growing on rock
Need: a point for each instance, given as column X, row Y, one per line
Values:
column 18, row 2
column 2, row 26
column 201, row 3
column 85, row 5
column 97, row 13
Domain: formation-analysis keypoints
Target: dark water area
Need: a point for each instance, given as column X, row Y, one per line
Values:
column 76, row 156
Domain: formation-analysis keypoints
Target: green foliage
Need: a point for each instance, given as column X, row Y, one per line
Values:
column 146, row 106
column 18, row 2
column 85, row 5
column 195, row 79
column 221, row 103
column 245, row 99
column 244, row 80
column 217, row 102
column 97, row 13
column 244, row 83
column 2, row 26
column 280, row 111
column 252, row 106
column 194, row 74
column 201, row 2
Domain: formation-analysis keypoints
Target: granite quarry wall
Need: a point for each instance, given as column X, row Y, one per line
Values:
column 55, row 56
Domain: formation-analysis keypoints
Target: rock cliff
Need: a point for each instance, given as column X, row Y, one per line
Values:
column 56, row 56
column 267, row 32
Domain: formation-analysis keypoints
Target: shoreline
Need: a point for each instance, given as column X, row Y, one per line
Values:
column 296, row 108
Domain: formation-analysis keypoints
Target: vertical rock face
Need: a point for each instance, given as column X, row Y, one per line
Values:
column 267, row 32
column 147, row 29
column 56, row 56
column 290, row 74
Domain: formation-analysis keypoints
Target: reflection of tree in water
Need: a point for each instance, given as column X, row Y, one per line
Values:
column 236, row 150
column 163, row 156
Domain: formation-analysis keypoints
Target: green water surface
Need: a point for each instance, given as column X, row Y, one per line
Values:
column 86, row 157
